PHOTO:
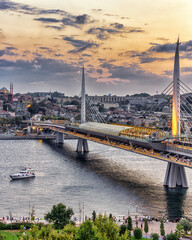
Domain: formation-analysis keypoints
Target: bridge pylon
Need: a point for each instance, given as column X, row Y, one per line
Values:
column 59, row 137
column 175, row 174
column 82, row 144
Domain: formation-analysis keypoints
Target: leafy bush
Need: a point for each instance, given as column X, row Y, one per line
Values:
column 2, row 226
column 172, row 236
column 14, row 226
column 186, row 224
column 155, row 236
column 122, row 230
column 137, row 233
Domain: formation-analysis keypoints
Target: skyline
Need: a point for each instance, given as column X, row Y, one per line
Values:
column 126, row 47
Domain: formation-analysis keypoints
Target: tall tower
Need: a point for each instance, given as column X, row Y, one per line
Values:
column 82, row 144
column 175, row 174
column 176, row 95
column 10, row 95
column 83, row 113
column 11, row 89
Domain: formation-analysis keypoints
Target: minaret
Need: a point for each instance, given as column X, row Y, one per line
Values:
column 11, row 89
column 83, row 114
column 176, row 95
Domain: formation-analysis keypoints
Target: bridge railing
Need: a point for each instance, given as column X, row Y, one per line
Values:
column 179, row 148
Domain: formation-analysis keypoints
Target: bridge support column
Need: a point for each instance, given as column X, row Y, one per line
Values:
column 59, row 137
column 28, row 129
column 82, row 145
column 175, row 176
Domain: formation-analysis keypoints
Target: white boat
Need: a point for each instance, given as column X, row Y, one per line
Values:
column 24, row 173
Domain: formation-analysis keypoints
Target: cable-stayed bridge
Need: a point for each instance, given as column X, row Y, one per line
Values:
column 174, row 148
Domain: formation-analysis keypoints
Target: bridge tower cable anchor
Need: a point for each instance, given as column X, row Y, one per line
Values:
column 82, row 144
column 175, row 174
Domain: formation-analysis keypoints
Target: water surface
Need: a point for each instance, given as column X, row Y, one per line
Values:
column 106, row 180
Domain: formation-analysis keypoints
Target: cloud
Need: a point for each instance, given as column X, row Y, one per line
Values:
column 80, row 45
column 162, row 39
column 69, row 20
column 186, row 69
column 144, row 57
column 47, row 20
column 7, row 51
column 111, row 15
column 100, row 71
column 76, row 21
column 113, row 81
column 56, row 74
column 6, row 5
column 96, row 10
column 134, row 73
column 11, row 48
column 55, row 27
column 151, row 59
column 170, row 47
column 117, row 25
column 104, row 33
column 125, row 18
column 82, row 19
column 86, row 55
column 2, row 52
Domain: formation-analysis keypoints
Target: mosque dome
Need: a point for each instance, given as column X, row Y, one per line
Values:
column 4, row 90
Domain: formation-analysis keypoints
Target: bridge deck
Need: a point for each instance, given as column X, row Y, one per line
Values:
column 138, row 150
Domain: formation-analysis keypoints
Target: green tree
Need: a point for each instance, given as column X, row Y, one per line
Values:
column 129, row 235
column 60, row 215
column 146, row 227
column 69, row 231
column 110, row 216
column 87, row 231
column 162, row 229
column 106, row 227
column 45, row 232
column 34, row 231
column 155, row 236
column 172, row 236
column 137, row 233
column 122, row 230
column 180, row 232
column 124, row 236
column 130, row 225
column 22, row 230
column 186, row 224
column 94, row 215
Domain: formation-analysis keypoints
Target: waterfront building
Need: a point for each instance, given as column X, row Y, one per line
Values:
column 106, row 99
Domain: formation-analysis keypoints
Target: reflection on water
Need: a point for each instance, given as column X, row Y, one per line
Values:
column 106, row 179
column 175, row 202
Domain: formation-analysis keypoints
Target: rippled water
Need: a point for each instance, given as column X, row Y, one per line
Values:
column 106, row 180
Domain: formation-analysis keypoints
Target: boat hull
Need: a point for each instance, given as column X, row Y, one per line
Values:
column 21, row 177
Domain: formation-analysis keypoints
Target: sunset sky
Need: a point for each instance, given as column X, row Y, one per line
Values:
column 126, row 46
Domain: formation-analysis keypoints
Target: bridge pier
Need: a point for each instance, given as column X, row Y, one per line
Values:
column 29, row 130
column 59, row 137
column 82, row 145
column 175, row 176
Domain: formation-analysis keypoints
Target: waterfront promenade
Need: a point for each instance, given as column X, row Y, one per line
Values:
column 154, row 226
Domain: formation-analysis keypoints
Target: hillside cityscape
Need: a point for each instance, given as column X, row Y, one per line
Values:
column 139, row 109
